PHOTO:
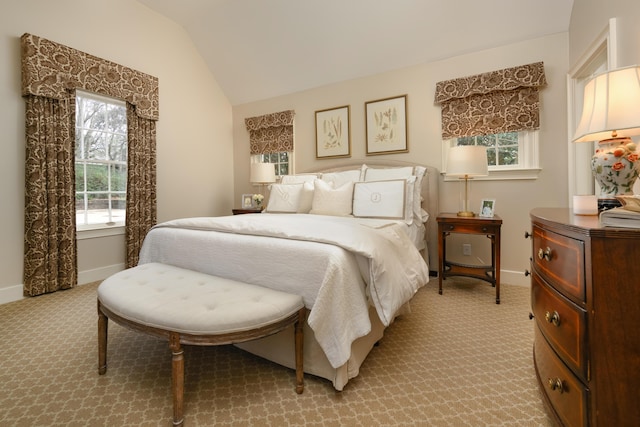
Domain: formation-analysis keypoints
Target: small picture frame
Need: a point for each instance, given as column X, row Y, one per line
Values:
column 333, row 132
column 247, row 201
column 487, row 207
column 386, row 126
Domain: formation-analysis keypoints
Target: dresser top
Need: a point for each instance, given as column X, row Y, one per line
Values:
column 585, row 224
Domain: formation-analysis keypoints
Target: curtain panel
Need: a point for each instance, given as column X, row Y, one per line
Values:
column 51, row 73
column 500, row 101
column 271, row 133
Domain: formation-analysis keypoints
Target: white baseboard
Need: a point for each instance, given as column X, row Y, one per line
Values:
column 89, row 276
column 11, row 294
column 14, row 293
column 514, row 278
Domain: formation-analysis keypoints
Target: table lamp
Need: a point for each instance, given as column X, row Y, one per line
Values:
column 466, row 162
column 262, row 174
column 610, row 115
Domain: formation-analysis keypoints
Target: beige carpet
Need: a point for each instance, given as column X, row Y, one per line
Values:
column 457, row 360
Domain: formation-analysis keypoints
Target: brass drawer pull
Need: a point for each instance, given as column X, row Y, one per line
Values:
column 552, row 318
column 556, row 384
column 545, row 254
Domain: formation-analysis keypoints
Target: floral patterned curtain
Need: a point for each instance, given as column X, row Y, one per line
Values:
column 271, row 133
column 51, row 73
column 50, row 251
column 500, row 101
column 141, row 182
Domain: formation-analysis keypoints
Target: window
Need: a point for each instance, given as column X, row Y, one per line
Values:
column 512, row 155
column 100, row 161
column 282, row 161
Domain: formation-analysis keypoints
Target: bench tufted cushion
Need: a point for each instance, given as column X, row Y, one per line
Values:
column 185, row 301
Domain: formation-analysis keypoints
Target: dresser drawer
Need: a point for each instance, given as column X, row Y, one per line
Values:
column 563, row 323
column 560, row 261
column 567, row 395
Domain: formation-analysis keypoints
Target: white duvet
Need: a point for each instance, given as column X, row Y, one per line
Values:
column 337, row 264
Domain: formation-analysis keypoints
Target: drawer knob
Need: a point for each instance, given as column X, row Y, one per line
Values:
column 451, row 227
column 545, row 254
column 527, row 273
column 552, row 318
column 555, row 384
column 527, row 234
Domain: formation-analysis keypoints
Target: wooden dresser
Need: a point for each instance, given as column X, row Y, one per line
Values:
column 585, row 298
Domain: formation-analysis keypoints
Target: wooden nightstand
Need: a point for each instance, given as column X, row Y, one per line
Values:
column 246, row 211
column 452, row 223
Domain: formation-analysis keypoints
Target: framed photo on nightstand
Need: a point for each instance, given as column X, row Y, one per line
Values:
column 247, row 201
column 487, row 208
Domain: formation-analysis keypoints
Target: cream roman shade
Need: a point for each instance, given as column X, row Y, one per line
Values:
column 499, row 101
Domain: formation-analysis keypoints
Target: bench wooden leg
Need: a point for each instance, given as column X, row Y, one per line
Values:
column 103, row 323
column 177, row 378
column 299, row 340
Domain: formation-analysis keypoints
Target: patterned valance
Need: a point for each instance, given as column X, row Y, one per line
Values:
column 499, row 101
column 271, row 133
column 51, row 70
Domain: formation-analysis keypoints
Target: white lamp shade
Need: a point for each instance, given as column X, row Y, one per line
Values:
column 611, row 103
column 262, row 173
column 467, row 160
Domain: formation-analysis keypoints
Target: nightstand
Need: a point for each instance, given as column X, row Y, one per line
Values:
column 452, row 223
column 246, row 211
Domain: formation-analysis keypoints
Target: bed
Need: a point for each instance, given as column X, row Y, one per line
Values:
column 352, row 240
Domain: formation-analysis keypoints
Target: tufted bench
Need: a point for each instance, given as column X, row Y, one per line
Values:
column 187, row 307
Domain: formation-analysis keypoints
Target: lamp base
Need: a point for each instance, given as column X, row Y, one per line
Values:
column 466, row 214
column 615, row 166
column 606, row 204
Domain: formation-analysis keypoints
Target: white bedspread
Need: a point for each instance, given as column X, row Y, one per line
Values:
column 392, row 268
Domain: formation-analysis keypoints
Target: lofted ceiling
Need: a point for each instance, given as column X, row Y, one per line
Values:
column 259, row 49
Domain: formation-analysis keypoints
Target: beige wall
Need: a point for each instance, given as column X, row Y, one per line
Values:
column 590, row 17
column 514, row 199
column 194, row 136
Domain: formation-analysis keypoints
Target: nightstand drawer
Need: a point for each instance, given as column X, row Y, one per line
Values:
column 564, row 390
column 560, row 261
column 563, row 324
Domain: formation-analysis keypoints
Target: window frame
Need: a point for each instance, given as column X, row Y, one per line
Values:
column 527, row 167
column 260, row 158
column 87, row 231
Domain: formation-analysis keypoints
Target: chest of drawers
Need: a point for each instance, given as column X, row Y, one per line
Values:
column 585, row 298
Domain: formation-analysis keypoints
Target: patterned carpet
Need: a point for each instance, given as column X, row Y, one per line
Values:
column 457, row 360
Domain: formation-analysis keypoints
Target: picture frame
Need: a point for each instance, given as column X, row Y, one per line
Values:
column 333, row 132
column 247, row 201
column 386, row 125
column 487, row 208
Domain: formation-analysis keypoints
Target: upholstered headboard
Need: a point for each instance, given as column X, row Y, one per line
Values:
column 429, row 193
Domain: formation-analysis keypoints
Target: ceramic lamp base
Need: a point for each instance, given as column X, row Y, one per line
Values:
column 616, row 167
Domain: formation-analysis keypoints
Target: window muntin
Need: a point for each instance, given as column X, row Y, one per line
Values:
column 512, row 155
column 503, row 149
column 281, row 160
column 100, row 161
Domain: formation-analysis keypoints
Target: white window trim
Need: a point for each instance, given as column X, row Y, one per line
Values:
column 96, row 231
column 529, row 167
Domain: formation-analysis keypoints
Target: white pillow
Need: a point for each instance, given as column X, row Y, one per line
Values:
column 380, row 174
column 330, row 201
column 384, row 174
column 338, row 179
column 284, row 198
column 306, row 197
column 299, row 179
column 390, row 199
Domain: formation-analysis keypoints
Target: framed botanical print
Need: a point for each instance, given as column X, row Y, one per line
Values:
column 386, row 126
column 333, row 132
